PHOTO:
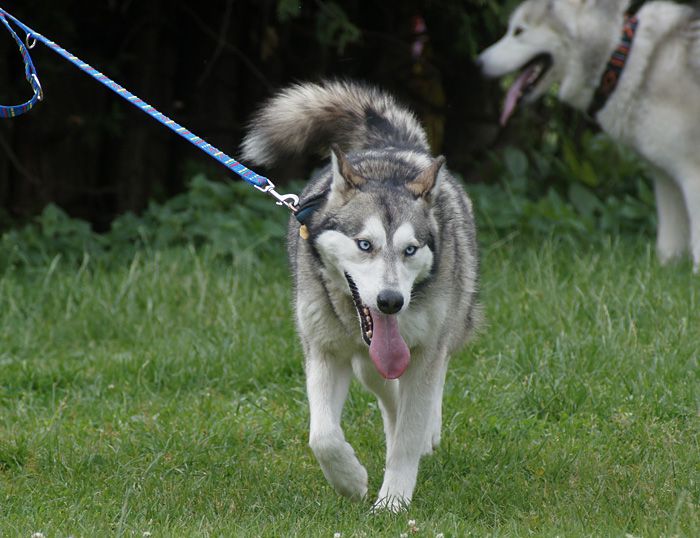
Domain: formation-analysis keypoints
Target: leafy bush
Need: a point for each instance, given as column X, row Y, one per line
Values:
column 52, row 233
column 334, row 29
column 232, row 219
column 586, row 191
column 591, row 188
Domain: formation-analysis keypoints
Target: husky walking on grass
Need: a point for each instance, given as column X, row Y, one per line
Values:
column 637, row 75
column 385, row 274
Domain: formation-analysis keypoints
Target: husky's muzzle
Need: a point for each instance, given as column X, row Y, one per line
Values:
column 380, row 331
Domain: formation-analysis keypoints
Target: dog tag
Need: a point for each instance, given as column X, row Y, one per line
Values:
column 303, row 232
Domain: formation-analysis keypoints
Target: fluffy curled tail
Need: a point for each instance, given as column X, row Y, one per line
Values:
column 308, row 118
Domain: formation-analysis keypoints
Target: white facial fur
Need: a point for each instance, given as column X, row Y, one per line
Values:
column 525, row 38
column 386, row 266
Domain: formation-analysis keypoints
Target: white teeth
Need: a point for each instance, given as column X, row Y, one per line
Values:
column 369, row 333
column 534, row 75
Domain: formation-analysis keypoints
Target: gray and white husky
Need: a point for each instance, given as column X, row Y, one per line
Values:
column 638, row 76
column 386, row 279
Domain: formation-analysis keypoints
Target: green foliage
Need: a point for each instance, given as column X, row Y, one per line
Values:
column 589, row 190
column 53, row 233
column 233, row 219
column 334, row 29
column 288, row 9
column 480, row 22
column 237, row 222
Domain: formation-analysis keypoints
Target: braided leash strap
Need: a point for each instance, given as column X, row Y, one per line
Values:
column 29, row 74
column 262, row 183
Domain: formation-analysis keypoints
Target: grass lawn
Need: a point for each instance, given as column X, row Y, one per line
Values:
column 164, row 394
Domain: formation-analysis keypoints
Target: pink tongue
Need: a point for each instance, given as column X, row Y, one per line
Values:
column 388, row 350
column 513, row 96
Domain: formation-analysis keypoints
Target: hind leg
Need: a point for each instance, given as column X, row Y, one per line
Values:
column 691, row 191
column 436, row 421
column 327, row 383
column 673, row 224
column 385, row 390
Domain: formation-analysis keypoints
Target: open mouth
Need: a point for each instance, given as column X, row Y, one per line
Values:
column 363, row 312
column 530, row 75
column 387, row 348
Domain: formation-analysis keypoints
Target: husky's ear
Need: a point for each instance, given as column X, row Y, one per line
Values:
column 428, row 181
column 345, row 177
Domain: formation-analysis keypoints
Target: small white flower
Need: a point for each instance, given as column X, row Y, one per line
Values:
column 403, row 535
column 439, row 535
column 146, row 534
column 412, row 526
column 337, row 535
column 38, row 535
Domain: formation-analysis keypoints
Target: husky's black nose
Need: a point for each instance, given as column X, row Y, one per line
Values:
column 389, row 301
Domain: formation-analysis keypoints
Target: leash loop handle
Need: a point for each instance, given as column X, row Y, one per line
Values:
column 263, row 184
column 29, row 70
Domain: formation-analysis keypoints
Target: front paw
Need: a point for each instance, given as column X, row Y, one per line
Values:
column 391, row 503
column 393, row 497
column 350, row 483
column 341, row 467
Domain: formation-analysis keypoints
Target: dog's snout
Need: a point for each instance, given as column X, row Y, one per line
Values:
column 389, row 301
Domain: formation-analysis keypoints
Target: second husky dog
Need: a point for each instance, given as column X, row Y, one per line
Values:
column 637, row 75
column 385, row 276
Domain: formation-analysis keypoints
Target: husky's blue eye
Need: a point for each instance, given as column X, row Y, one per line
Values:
column 364, row 245
column 410, row 250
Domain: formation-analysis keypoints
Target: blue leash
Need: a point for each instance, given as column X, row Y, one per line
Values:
column 29, row 74
column 261, row 183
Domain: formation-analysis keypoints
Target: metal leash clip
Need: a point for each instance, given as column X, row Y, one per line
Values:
column 30, row 41
column 291, row 201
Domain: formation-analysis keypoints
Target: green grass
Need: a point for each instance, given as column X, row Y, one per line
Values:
column 165, row 394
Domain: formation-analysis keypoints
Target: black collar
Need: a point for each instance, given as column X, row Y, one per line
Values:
column 613, row 71
column 308, row 207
